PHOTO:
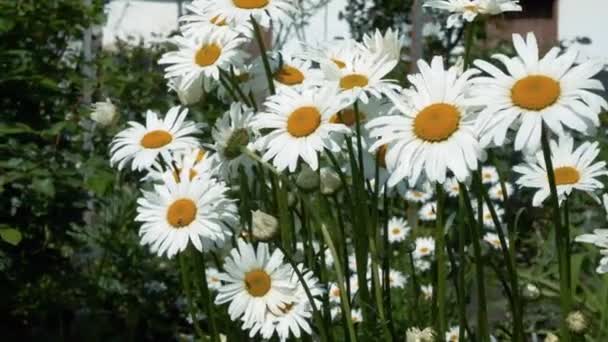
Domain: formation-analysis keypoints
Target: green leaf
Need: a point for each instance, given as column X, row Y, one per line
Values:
column 44, row 186
column 10, row 235
column 17, row 128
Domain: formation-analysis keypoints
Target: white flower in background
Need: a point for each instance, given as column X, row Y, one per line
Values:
column 203, row 55
column 295, row 316
column 451, row 187
column 340, row 52
column 329, row 258
column 187, row 94
column 141, row 145
column 599, row 238
column 398, row 229
column 469, row 9
column 434, row 130
column 549, row 90
column 367, row 111
column 384, row 45
column 213, row 281
column 263, row 226
column 195, row 161
column 428, row 212
column 334, row 290
column 494, row 240
column 289, row 71
column 422, row 265
column 573, row 169
column 299, row 119
column 605, row 201
column 265, row 12
column 361, row 76
column 356, row 315
column 418, row 196
column 427, row 291
column 425, row 246
column 245, row 77
column 104, row 113
column 179, row 212
column 232, row 133
column 396, row 279
column 453, row 335
column 200, row 19
column 496, row 193
column 300, row 247
column 489, row 175
column 255, row 282
column 486, row 215
column 417, row 335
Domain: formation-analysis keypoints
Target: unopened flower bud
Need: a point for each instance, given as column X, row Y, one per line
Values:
column 330, row 181
column 577, row 322
column 190, row 94
column 104, row 113
column 307, row 179
column 531, row 291
column 264, row 226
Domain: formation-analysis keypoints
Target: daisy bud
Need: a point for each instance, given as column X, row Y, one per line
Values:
column 551, row 337
column 236, row 142
column 330, row 181
column 531, row 291
column 307, row 179
column 104, row 113
column 264, row 226
column 577, row 322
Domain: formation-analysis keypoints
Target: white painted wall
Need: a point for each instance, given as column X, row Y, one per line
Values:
column 586, row 18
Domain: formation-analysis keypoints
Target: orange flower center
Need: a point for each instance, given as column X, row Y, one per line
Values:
column 289, row 75
column 347, row 117
column 566, row 175
column 535, row 92
column 381, row 156
column 207, row 54
column 339, row 63
column 216, row 21
column 257, row 283
column 424, row 250
column 250, row 4
column 181, row 213
column 437, row 122
column 303, row 121
column 156, row 139
column 352, row 81
column 396, row 231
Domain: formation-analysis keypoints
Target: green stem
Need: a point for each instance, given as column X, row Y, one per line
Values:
column 441, row 263
column 186, row 283
column 235, row 87
column 470, row 34
column 561, row 234
column 482, row 310
column 258, row 36
column 462, row 233
column 200, row 264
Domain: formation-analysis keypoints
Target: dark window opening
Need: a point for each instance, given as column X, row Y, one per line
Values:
column 533, row 9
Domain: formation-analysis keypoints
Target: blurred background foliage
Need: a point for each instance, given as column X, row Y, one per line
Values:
column 71, row 267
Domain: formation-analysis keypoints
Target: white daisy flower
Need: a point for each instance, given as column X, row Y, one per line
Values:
column 187, row 94
column 141, row 145
column 362, row 75
column 453, row 335
column 338, row 52
column 496, row 193
column 329, row 258
column 231, row 133
column 195, row 161
column 356, row 315
column 367, row 111
column 427, row 291
column 451, row 187
column 334, row 290
column 388, row 44
column 428, row 212
column 489, row 175
column 213, row 281
column 494, row 240
column 179, row 212
column 203, row 55
column 535, row 90
column 299, row 119
column 425, row 246
column 294, row 318
column 417, row 196
column 573, row 169
column 416, row 335
column 422, row 265
column 200, row 19
column 487, row 216
column 244, row 77
column 434, row 131
column 599, row 238
column 398, row 229
column 495, row 7
column 469, row 9
column 104, row 113
column 396, row 279
column 289, row 71
column 254, row 282
column 263, row 11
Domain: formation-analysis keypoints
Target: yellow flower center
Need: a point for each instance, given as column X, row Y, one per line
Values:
column 200, row 155
column 207, row 54
column 289, row 75
column 381, row 156
column 347, row 117
column 396, row 231
column 257, row 283
column 566, row 175
column 339, row 63
column 535, row 92
column 216, row 21
column 437, row 122
column 156, row 139
column 303, row 121
column 335, row 292
column 424, row 250
column 250, row 4
column 181, row 213
column 352, row 81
